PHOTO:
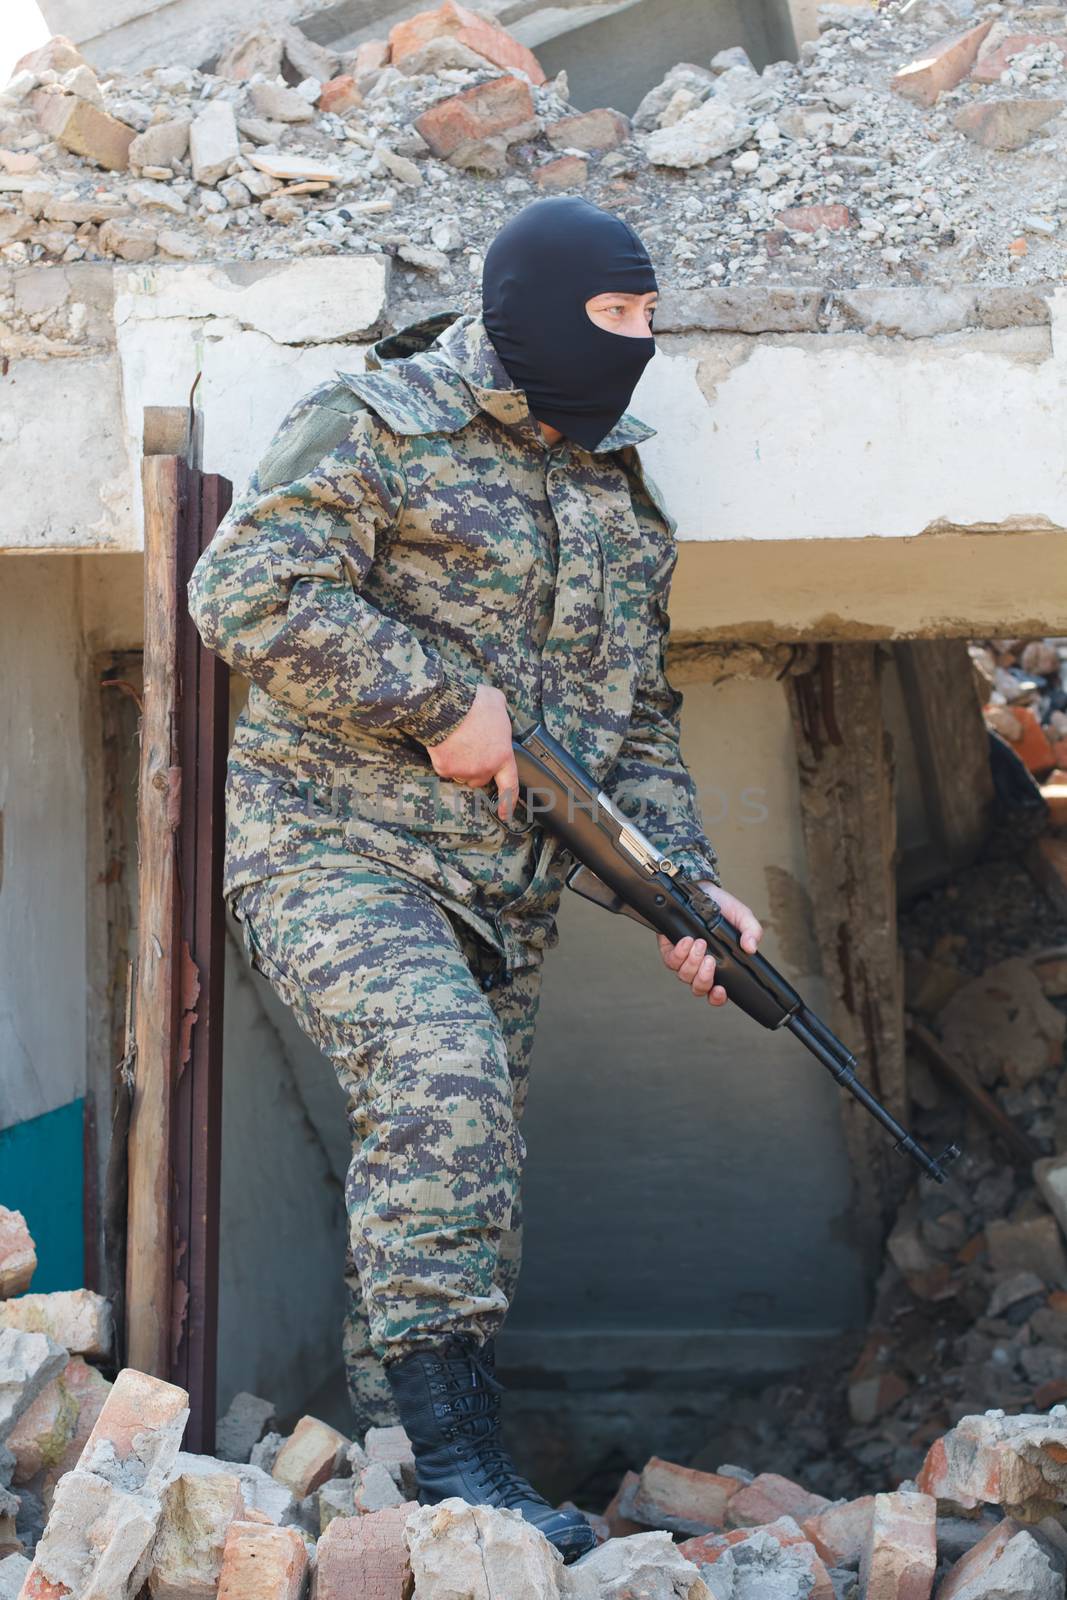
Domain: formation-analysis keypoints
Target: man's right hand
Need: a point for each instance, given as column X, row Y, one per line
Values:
column 479, row 750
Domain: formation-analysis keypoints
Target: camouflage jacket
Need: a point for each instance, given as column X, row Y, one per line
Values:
column 408, row 535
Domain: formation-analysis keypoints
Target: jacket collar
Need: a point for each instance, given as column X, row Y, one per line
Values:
column 435, row 376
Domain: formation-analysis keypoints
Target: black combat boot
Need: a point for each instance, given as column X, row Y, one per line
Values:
column 449, row 1403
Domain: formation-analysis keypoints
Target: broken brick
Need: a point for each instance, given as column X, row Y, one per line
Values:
column 1009, row 125
column 51, row 1434
column 941, row 67
column 619, row 1511
column 1034, row 1246
column 809, row 219
column 370, row 56
column 1008, row 1561
column 566, row 172
column 807, row 1572
column 340, row 95
column 18, row 1258
column 680, row 1498
column 365, row 1556
column 1017, row 1462
column 198, row 1510
column 899, row 1559
column 78, row 1319
column 769, row 1497
column 138, row 1432
column 601, row 129
column 840, row 1533
column 497, row 107
column 57, row 54
column 992, row 62
column 480, row 34
column 261, row 1562
column 84, row 129
column 308, row 1456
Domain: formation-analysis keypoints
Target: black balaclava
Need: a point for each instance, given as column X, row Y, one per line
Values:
column 539, row 271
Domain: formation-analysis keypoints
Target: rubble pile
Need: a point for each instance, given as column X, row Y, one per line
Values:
column 921, row 143
column 1024, row 683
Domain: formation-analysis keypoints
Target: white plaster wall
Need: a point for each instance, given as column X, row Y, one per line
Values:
column 42, row 873
column 776, row 436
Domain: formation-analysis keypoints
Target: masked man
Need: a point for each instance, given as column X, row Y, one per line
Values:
column 459, row 540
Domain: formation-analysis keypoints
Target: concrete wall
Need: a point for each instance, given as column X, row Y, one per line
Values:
column 784, row 418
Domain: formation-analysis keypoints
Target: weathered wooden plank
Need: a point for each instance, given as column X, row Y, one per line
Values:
column 148, row 1251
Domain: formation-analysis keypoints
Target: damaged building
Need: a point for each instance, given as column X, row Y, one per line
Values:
column 764, row 1358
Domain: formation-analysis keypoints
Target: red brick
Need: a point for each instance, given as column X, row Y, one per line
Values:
column 18, row 1258
column 340, row 95
column 808, row 219
column 941, row 67
column 484, row 37
column 365, row 1557
column 262, row 1563
column 566, row 172
column 840, row 1533
column 139, row 1430
column 672, row 1496
column 769, row 1497
column 991, row 63
column 900, row 1557
column 84, row 129
column 476, row 114
column 308, row 1456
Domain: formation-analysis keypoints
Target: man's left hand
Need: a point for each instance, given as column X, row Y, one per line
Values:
column 689, row 958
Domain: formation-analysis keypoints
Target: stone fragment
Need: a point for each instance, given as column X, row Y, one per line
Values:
column 1032, row 1246
column 20, row 163
column 401, row 167
column 84, row 129
column 455, row 128
column 28, row 1361
column 162, row 144
column 365, row 1556
column 336, row 1498
column 998, row 49
column 244, row 1424
column 307, row 1457
column 899, row 1560
column 770, row 1496
column 182, row 246
column 1005, row 124
column 213, row 141
column 97, row 1543
column 685, row 75
column 13, row 1571
column 941, row 66
column 1009, row 1561
column 305, row 57
column 778, row 1557
column 370, row 56
column 481, row 1552
column 476, row 32
column 1018, row 1463
column 565, row 172
column 57, row 54
column 649, row 1565
column 1002, row 1024
column 295, row 169
column 392, row 1447
column 680, row 1498
column 602, row 129
column 78, row 211
column 260, row 131
column 159, row 196
column 130, row 241
column 376, row 1489
column 52, row 1432
column 263, row 1495
column 340, row 95
column 260, row 1562
column 280, row 104
column 198, row 1509
column 259, row 51
column 841, row 1532
column 714, row 128
column 18, row 1258
column 1050, row 1175
column 83, row 82
column 10, row 1508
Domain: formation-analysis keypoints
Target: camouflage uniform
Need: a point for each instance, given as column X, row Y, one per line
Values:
column 407, row 536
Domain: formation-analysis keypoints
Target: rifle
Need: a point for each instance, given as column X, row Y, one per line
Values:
column 619, row 869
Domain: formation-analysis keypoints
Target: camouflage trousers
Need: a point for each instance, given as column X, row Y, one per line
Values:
column 388, row 983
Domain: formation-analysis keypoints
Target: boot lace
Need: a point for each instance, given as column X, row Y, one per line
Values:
column 473, row 1408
